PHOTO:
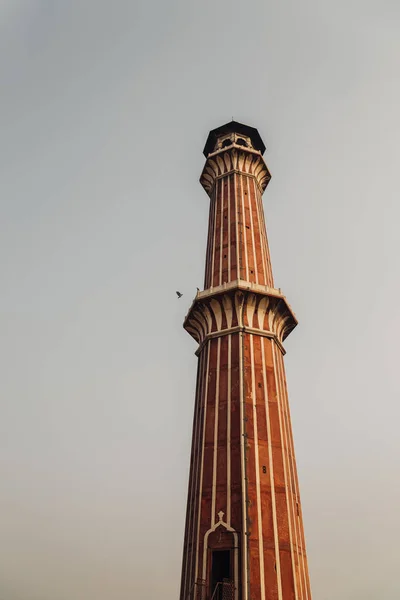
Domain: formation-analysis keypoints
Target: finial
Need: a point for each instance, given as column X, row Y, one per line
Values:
column 221, row 515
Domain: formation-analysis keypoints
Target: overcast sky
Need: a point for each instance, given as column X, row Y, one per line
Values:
column 104, row 111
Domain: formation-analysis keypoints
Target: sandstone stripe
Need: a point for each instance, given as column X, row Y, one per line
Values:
column 186, row 565
column 262, row 245
column 238, row 253
column 221, row 249
column 252, row 231
column 214, row 483
column 269, row 280
column 257, row 466
column 210, row 240
column 271, row 473
column 228, row 220
column 301, row 544
column 290, row 491
column 212, row 265
column 244, row 234
column 228, row 434
column 284, row 471
column 243, row 474
column 196, row 498
column 202, row 459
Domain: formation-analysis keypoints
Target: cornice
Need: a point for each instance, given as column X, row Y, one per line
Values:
column 240, row 306
column 234, row 159
column 251, row 330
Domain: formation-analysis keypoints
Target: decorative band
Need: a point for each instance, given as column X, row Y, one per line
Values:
column 244, row 329
column 237, row 172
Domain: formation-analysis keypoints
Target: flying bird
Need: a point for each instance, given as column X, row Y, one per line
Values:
column 179, row 294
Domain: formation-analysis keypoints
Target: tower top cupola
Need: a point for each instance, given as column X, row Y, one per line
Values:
column 233, row 133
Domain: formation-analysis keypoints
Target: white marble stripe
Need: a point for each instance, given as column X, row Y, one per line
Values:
column 192, row 478
column 271, row 472
column 195, row 467
column 257, row 468
column 202, row 461
column 252, row 228
column 295, row 494
column 209, row 240
column 269, row 278
column 243, row 472
column 196, row 496
column 213, row 234
column 291, row 444
column 300, row 544
column 229, row 229
column 263, row 229
column 285, row 471
column 238, row 273
column 290, row 467
column 244, row 229
column 221, row 243
column 212, row 267
column 215, row 455
column 228, row 434
column 260, row 226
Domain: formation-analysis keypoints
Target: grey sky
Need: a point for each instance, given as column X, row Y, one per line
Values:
column 104, row 111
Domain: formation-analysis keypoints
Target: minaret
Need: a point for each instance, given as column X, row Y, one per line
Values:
column 244, row 537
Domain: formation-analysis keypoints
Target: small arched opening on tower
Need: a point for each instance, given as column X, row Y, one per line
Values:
column 241, row 142
column 221, row 552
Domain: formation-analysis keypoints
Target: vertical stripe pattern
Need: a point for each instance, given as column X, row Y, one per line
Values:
column 243, row 491
column 249, row 242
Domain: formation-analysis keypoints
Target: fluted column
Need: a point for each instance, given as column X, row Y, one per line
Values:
column 237, row 246
column 243, row 495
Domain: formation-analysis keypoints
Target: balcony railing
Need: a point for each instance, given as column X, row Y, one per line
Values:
column 224, row 590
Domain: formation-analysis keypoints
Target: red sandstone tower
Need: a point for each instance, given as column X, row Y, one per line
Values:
column 244, row 537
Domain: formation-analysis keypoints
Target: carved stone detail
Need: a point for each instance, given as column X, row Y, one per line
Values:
column 234, row 159
column 224, row 311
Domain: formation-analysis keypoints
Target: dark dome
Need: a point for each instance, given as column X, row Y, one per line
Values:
column 233, row 127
